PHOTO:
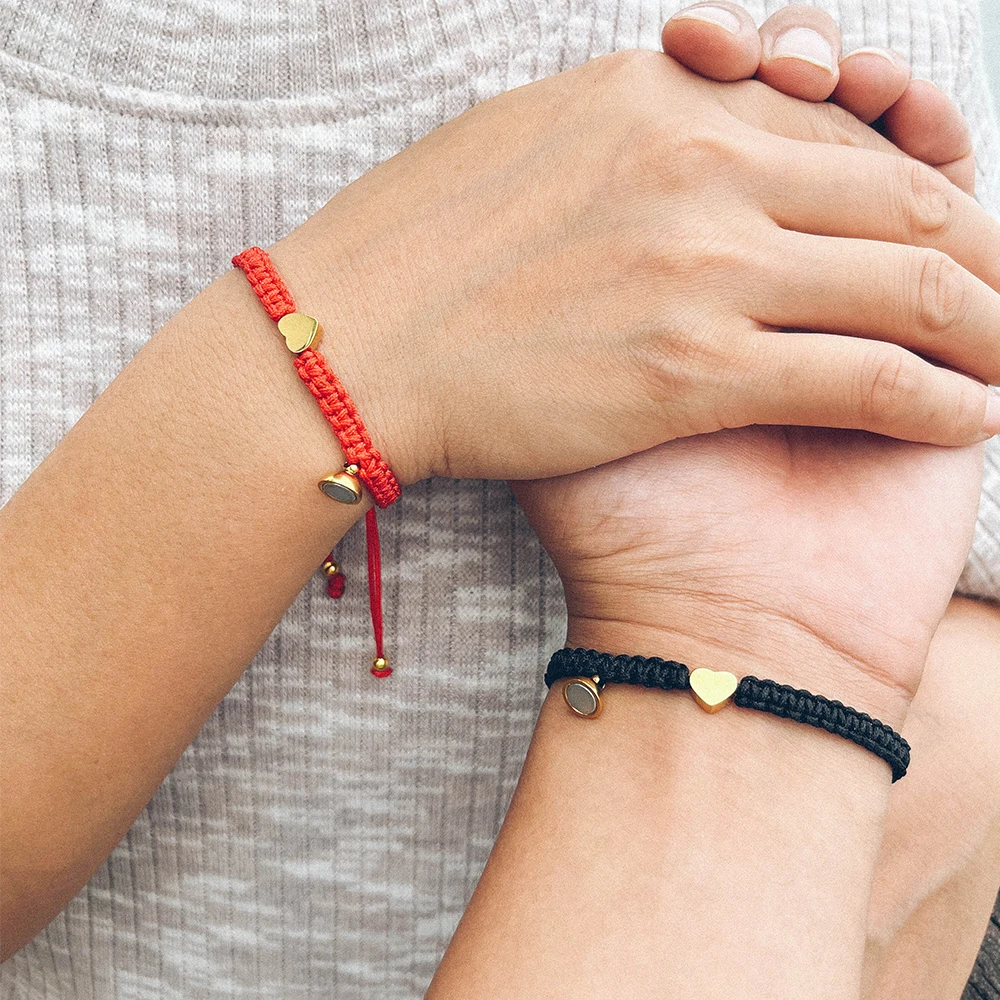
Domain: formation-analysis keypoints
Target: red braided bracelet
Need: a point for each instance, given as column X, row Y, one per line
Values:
column 363, row 460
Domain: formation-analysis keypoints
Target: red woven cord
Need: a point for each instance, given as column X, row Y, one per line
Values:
column 335, row 585
column 375, row 586
column 343, row 417
column 265, row 281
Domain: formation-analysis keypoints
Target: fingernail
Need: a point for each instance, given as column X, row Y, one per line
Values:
column 713, row 15
column 805, row 44
column 871, row 50
column 991, row 424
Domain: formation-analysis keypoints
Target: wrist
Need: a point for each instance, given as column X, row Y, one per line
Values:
column 684, row 822
column 337, row 273
column 254, row 408
column 744, row 643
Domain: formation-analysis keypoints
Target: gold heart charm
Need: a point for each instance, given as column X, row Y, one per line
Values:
column 712, row 688
column 299, row 330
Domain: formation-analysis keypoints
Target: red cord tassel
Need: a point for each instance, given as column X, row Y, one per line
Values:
column 335, row 585
column 375, row 591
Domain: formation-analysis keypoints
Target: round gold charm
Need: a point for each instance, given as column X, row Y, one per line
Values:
column 342, row 487
column 583, row 696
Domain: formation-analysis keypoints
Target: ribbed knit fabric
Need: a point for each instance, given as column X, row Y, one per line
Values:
column 322, row 835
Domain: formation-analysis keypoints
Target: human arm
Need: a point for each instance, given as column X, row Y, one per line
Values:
column 186, row 495
column 734, row 859
column 656, row 853
column 939, row 865
column 661, row 852
column 144, row 563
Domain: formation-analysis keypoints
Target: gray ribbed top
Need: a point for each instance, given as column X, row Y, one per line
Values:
column 322, row 835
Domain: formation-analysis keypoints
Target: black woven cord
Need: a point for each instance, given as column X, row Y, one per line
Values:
column 751, row 692
column 823, row 713
column 649, row 671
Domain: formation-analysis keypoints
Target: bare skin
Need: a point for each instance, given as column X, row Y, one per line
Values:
column 593, row 890
column 938, row 870
column 664, row 553
column 939, row 865
column 652, row 854
column 679, row 823
column 149, row 568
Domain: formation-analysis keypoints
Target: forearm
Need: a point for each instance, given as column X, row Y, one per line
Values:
column 938, row 870
column 662, row 852
column 145, row 561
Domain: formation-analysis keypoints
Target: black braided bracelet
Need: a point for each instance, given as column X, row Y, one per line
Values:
column 589, row 670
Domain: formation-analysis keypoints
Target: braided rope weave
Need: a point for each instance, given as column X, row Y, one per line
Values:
column 649, row 671
column 751, row 692
column 342, row 415
column 339, row 410
column 266, row 282
column 824, row 713
column 327, row 389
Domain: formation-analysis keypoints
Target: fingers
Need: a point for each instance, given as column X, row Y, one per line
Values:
column 830, row 190
column 925, row 124
column 820, row 380
column 800, row 52
column 919, row 299
column 720, row 41
column 778, row 114
column 871, row 81
column 917, row 118
column 717, row 40
column 795, row 53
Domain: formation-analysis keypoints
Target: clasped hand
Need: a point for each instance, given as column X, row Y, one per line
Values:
column 626, row 253
column 648, row 256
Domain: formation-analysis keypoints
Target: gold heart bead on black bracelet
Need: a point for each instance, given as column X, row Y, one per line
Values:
column 587, row 671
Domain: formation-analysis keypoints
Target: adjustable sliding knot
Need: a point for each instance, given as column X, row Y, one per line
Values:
column 364, row 463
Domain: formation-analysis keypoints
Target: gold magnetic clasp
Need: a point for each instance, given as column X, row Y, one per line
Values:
column 583, row 695
column 299, row 330
column 344, row 487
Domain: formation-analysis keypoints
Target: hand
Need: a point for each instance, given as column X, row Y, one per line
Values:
column 744, row 545
column 595, row 263
column 908, row 107
column 723, row 43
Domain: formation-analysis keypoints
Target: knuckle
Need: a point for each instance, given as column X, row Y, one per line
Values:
column 718, row 265
column 713, row 151
column 888, row 385
column 691, row 157
column 831, row 124
column 928, row 198
column 941, row 291
column 630, row 70
column 965, row 421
